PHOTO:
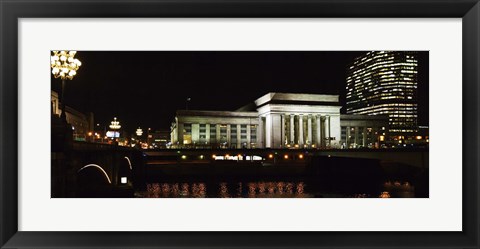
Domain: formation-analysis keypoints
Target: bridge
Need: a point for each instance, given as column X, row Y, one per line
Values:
column 412, row 157
column 106, row 169
column 417, row 157
column 116, row 171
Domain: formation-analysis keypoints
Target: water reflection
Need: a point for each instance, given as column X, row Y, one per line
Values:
column 267, row 189
column 398, row 189
column 176, row 190
column 227, row 190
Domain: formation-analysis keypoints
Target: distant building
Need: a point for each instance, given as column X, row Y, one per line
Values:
column 160, row 138
column 82, row 124
column 275, row 120
column 385, row 83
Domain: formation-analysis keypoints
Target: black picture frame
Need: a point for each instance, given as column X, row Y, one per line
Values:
column 11, row 11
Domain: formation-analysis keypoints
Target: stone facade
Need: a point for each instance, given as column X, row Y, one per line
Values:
column 275, row 120
column 215, row 129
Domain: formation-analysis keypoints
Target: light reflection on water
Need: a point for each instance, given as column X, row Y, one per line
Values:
column 227, row 190
column 264, row 189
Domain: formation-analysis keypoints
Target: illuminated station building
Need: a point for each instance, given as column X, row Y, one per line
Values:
column 277, row 120
column 385, row 83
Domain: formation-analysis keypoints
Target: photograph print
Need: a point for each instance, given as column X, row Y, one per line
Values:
column 239, row 124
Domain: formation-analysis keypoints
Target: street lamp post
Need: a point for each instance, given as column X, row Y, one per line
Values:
column 115, row 125
column 64, row 66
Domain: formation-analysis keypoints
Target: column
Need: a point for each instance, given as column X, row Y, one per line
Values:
column 309, row 126
column 195, row 133
column 268, row 131
column 249, row 132
column 217, row 134
column 239, row 137
column 300, row 130
column 356, row 136
column 319, row 132
column 276, row 130
column 327, row 131
column 260, row 138
column 180, row 134
column 229, row 133
column 282, row 136
column 348, row 137
column 292, row 129
column 207, row 133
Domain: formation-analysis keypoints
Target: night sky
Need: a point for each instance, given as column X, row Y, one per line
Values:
column 144, row 88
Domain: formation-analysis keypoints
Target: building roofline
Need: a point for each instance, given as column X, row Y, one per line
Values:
column 216, row 113
column 297, row 97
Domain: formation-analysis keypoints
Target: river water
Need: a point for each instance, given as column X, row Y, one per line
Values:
column 268, row 189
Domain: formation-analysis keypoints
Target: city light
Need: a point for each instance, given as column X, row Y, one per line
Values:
column 385, row 194
column 123, row 180
column 64, row 65
column 97, row 167
column 385, row 83
column 112, row 134
column 115, row 125
column 129, row 162
column 139, row 132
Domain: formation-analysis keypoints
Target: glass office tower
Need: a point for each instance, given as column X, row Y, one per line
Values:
column 385, row 83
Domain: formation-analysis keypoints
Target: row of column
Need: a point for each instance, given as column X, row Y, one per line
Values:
column 272, row 131
column 228, row 139
column 277, row 136
column 195, row 134
column 319, row 134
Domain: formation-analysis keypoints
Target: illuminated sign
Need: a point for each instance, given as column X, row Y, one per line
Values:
column 111, row 134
